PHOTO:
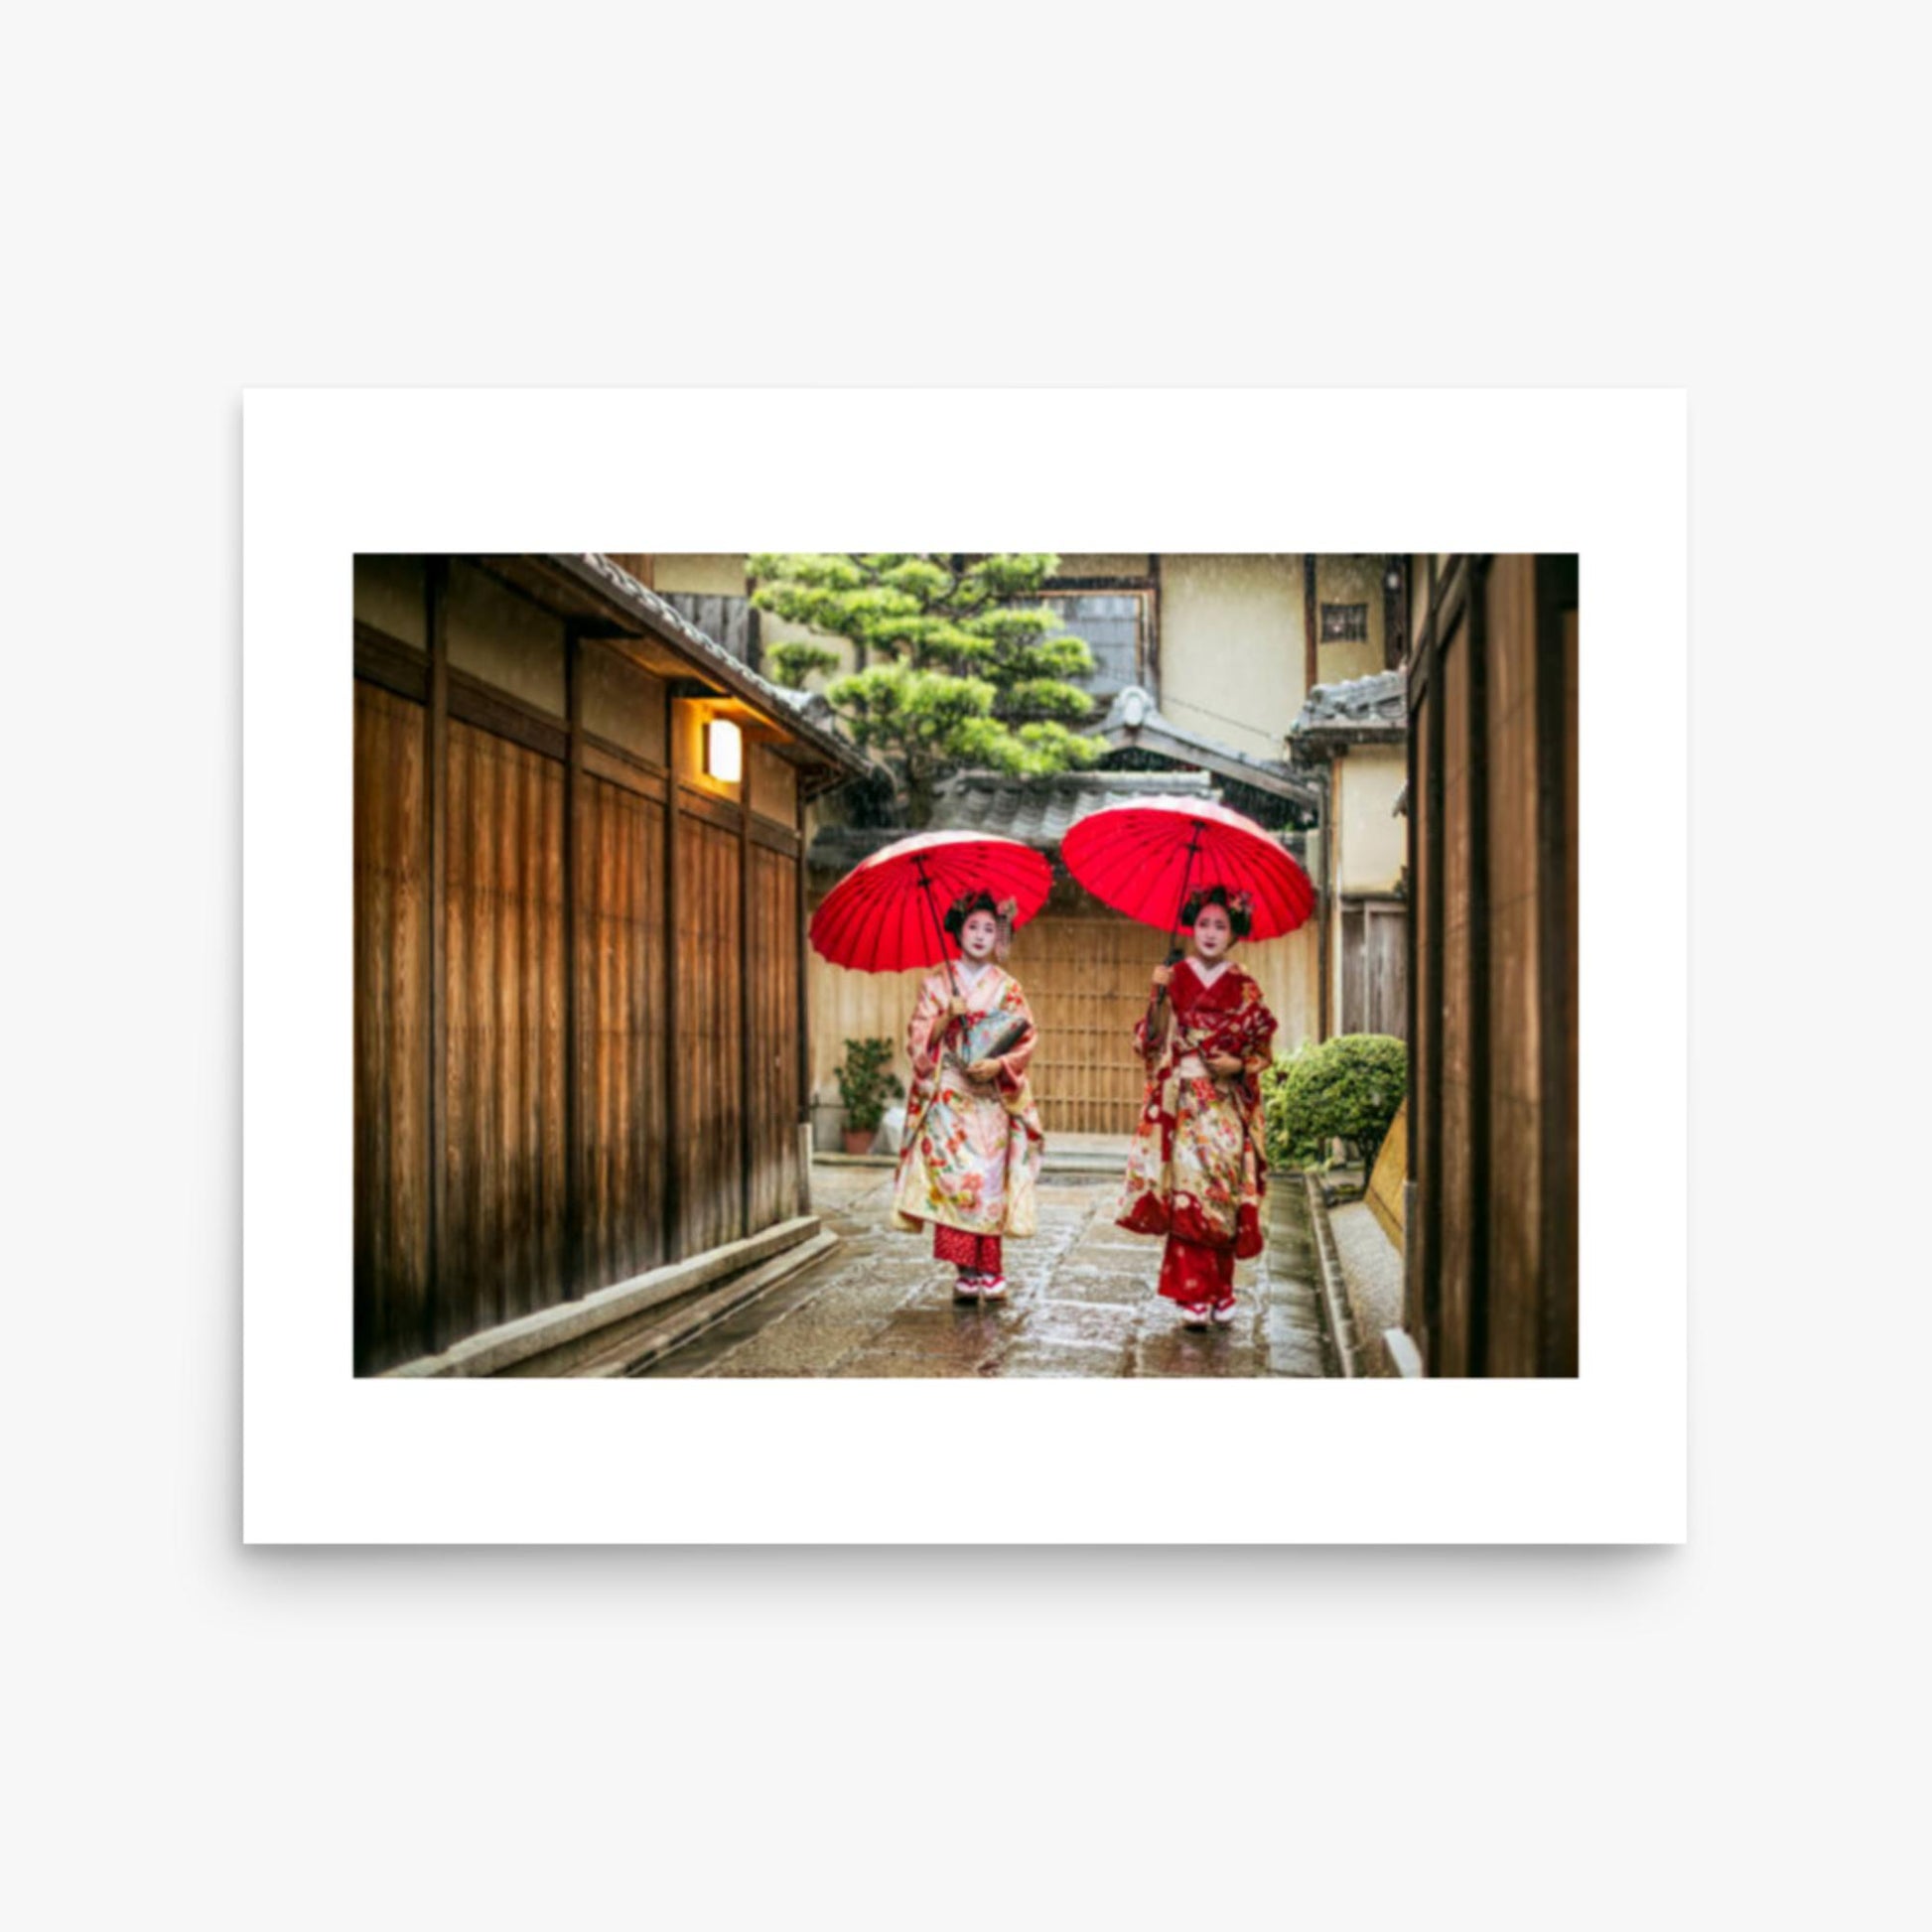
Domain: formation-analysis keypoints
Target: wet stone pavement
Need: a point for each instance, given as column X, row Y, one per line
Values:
column 1080, row 1301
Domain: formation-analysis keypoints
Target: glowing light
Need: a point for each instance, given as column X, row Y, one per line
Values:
column 724, row 750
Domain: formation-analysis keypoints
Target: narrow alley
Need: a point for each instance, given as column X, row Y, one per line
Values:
column 1081, row 1302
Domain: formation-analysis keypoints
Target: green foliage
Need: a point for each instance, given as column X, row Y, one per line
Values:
column 792, row 664
column 1344, row 1089
column 958, row 672
column 866, row 1082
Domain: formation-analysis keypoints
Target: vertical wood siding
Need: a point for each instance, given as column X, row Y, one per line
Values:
column 1374, row 968
column 706, row 1062
column 777, row 1175
column 1493, row 1096
column 506, row 1245
column 391, row 1234
column 505, row 1242
column 621, row 1002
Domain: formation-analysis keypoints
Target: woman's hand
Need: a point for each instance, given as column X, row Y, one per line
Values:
column 983, row 1071
column 1225, row 1064
column 1162, row 975
column 956, row 1007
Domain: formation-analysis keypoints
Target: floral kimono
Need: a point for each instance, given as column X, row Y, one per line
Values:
column 1196, row 1168
column 972, row 1150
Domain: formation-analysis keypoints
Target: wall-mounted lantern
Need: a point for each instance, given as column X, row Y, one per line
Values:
column 724, row 750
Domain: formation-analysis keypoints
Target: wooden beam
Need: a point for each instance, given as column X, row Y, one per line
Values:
column 475, row 703
column 673, row 1001
column 436, row 1319
column 616, row 769
column 386, row 661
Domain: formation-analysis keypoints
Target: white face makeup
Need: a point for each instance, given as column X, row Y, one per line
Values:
column 977, row 936
column 1213, row 933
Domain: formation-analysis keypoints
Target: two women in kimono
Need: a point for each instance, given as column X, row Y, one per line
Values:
column 1197, row 1166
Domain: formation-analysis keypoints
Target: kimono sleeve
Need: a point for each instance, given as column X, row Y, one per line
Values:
column 1151, row 1032
column 922, row 1036
column 1013, row 1064
column 1261, row 1040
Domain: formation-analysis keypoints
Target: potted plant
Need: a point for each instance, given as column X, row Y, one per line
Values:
column 866, row 1083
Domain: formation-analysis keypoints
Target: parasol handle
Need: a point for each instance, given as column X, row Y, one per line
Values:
column 1174, row 950
column 939, row 933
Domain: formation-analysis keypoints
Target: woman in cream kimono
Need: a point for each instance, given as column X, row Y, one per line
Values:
column 1196, row 1168
column 973, row 1141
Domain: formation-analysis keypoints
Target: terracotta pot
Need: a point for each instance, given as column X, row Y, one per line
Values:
column 858, row 1140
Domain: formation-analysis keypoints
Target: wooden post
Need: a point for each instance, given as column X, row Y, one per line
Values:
column 802, row 947
column 1153, row 673
column 1481, row 1072
column 1556, row 747
column 1324, row 905
column 574, row 792
column 673, row 1001
column 747, row 1087
column 436, row 793
column 1309, row 661
column 1395, row 614
column 1432, row 922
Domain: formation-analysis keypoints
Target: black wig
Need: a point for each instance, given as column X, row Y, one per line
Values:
column 1234, row 905
column 963, row 908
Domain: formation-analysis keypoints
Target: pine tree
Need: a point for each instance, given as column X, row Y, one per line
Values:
column 959, row 669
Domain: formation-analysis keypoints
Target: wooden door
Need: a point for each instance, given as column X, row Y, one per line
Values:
column 1086, row 980
column 1374, row 967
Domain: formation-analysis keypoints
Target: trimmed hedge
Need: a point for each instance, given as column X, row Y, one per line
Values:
column 1346, row 1089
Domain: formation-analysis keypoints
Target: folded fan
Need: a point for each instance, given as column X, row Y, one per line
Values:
column 990, row 1036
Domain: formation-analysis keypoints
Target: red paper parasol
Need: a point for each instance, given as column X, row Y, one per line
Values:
column 1144, row 858
column 887, row 913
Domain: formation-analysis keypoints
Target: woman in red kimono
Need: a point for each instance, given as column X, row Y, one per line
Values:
column 1196, row 1169
column 973, row 1141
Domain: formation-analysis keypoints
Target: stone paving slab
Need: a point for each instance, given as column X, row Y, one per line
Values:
column 1082, row 1301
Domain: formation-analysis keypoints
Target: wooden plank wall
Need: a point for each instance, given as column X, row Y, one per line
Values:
column 1086, row 979
column 1493, row 1070
column 1517, row 1238
column 705, row 1054
column 1455, row 1096
column 505, row 1243
column 556, row 1016
column 1374, row 967
column 778, row 1176
column 391, row 1239
column 621, row 1002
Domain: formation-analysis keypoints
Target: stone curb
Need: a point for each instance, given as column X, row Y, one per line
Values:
column 646, row 1350
column 497, row 1349
column 1334, row 1294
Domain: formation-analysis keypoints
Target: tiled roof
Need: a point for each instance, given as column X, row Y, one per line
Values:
column 812, row 724
column 1376, row 706
column 1134, row 721
column 1037, row 811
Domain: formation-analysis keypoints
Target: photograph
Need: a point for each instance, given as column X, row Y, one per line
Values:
column 979, row 965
